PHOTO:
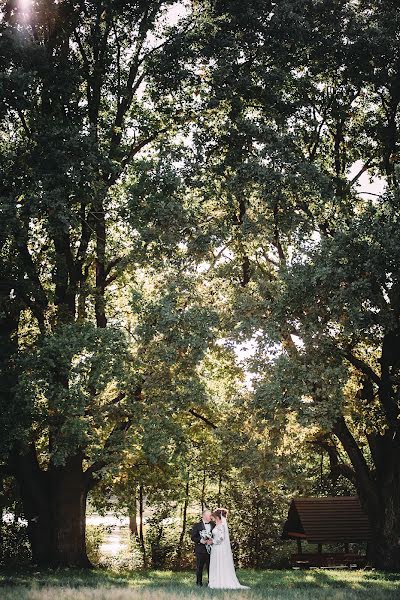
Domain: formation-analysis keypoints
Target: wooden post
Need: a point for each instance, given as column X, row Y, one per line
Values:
column 319, row 548
column 346, row 548
column 368, row 550
column 299, row 548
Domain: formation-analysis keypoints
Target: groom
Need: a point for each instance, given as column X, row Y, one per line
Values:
column 202, row 556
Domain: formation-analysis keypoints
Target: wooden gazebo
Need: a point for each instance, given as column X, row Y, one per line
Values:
column 338, row 520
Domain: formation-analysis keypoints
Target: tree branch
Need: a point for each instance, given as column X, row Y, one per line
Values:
column 277, row 241
column 121, row 427
column 337, row 467
column 202, row 418
column 364, row 168
column 364, row 481
column 24, row 123
column 101, row 463
column 133, row 150
column 362, row 366
column 40, row 302
column 130, row 86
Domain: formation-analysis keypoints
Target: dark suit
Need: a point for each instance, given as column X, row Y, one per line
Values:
column 202, row 556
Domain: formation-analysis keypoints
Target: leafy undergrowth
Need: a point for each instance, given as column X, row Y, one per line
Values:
column 71, row 584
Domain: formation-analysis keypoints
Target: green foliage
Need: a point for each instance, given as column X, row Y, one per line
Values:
column 58, row 382
column 15, row 549
column 94, row 539
column 182, row 188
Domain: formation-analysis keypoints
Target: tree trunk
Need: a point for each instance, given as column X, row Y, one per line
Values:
column 68, row 502
column 141, row 532
column 379, row 493
column 1, row 528
column 100, row 229
column 203, row 491
column 54, row 505
column 257, row 530
column 34, row 492
column 184, row 515
column 385, row 547
column 184, row 524
column 219, row 489
column 133, row 528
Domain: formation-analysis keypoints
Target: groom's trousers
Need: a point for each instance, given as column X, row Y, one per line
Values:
column 202, row 560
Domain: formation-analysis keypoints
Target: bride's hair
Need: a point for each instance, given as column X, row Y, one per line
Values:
column 220, row 512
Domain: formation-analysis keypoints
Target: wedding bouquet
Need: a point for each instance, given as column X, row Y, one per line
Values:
column 204, row 535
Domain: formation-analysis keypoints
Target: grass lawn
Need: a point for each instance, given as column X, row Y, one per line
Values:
column 165, row 585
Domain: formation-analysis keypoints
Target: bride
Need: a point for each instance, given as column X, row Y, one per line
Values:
column 222, row 568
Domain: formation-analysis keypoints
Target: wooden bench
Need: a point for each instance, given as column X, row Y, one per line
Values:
column 326, row 559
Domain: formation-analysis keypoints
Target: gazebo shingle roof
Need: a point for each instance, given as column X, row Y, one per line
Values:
column 337, row 519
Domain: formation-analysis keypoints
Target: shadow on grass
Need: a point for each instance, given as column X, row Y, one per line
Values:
column 319, row 579
column 273, row 582
column 61, row 577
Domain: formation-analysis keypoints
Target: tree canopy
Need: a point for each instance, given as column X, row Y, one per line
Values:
column 181, row 179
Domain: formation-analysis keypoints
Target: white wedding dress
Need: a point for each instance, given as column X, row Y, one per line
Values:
column 222, row 568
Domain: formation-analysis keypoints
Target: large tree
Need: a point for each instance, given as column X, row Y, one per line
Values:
column 302, row 100
column 249, row 211
column 341, row 300
column 75, row 114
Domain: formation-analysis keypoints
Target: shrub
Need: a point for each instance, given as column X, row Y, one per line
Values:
column 14, row 547
column 95, row 535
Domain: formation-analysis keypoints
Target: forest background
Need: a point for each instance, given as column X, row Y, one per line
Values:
column 180, row 181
